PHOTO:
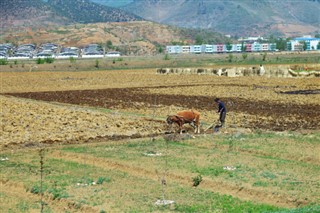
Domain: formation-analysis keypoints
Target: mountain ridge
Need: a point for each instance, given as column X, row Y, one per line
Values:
column 39, row 13
column 246, row 17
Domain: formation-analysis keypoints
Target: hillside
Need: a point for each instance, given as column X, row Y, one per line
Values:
column 136, row 37
column 245, row 17
column 113, row 3
column 39, row 13
column 85, row 11
column 31, row 13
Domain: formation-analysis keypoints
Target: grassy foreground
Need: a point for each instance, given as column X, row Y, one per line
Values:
column 260, row 172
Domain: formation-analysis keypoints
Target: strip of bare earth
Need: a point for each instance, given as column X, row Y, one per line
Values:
column 285, row 116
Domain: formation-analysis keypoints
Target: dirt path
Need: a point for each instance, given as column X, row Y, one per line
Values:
column 243, row 193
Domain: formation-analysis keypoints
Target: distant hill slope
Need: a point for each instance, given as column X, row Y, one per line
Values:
column 113, row 3
column 85, row 11
column 22, row 13
column 39, row 13
column 235, row 17
column 137, row 37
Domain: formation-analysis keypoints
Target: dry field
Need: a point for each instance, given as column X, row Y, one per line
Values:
column 271, row 138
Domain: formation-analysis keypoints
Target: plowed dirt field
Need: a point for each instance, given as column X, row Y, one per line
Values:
column 252, row 102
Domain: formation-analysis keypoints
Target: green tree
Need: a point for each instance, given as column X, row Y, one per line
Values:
column 243, row 47
column 109, row 44
column 304, row 45
column 160, row 49
column 40, row 61
column 281, row 44
column 229, row 46
column 3, row 62
column 318, row 46
column 49, row 60
column 198, row 40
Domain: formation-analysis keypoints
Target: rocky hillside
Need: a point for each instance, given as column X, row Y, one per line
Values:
column 22, row 13
column 245, row 17
column 85, row 11
column 39, row 13
column 137, row 37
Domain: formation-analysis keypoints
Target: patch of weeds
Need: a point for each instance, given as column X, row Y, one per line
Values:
column 23, row 206
column 79, row 149
column 197, row 180
column 58, row 193
column 86, row 180
column 192, row 208
column 306, row 209
column 268, row 175
column 211, row 171
column 78, row 204
column 103, row 179
column 179, row 144
column 36, row 189
column 260, row 183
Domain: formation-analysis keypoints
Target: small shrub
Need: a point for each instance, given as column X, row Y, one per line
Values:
column 3, row 61
column 58, row 193
column 197, row 180
column 97, row 64
column 103, row 179
column 244, row 56
column 72, row 60
column 15, row 62
column 35, row 190
column 40, row 61
column 49, row 60
column 166, row 57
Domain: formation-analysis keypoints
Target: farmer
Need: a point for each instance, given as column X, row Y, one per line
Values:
column 222, row 110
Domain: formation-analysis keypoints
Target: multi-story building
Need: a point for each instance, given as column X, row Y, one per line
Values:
column 186, row 49
column 265, row 47
column 256, row 47
column 248, row 47
column 207, row 48
column 221, row 48
column 196, row 49
column 173, row 49
column 304, row 43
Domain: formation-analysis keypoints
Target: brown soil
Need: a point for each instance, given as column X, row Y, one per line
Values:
column 285, row 116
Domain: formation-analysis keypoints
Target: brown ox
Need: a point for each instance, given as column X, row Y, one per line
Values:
column 191, row 117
